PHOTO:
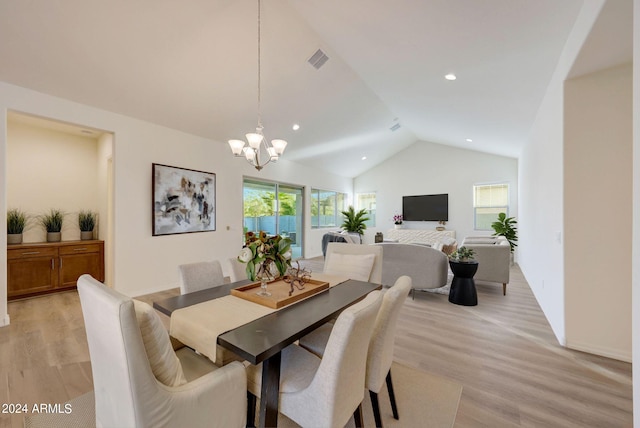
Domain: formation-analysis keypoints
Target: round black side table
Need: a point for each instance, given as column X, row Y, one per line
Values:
column 463, row 287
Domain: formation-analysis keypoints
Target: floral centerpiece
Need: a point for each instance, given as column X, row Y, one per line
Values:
column 265, row 256
column 397, row 219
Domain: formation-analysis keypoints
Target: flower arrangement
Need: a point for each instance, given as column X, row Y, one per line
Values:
column 262, row 252
column 397, row 219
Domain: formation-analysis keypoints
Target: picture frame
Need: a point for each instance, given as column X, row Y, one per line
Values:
column 183, row 200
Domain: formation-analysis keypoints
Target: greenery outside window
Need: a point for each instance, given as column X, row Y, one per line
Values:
column 326, row 207
column 489, row 200
column 367, row 201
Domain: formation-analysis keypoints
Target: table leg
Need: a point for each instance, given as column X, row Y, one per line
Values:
column 270, row 391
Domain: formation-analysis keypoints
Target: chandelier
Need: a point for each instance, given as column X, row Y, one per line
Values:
column 258, row 152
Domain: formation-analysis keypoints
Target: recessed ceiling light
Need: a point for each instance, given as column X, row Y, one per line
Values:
column 450, row 76
column 295, row 127
column 364, row 158
column 469, row 140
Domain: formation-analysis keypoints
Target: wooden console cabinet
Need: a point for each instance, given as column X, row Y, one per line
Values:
column 34, row 269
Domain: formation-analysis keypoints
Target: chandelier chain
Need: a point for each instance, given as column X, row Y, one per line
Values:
column 259, row 89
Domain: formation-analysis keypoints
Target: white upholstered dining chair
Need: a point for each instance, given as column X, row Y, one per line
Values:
column 325, row 392
column 237, row 270
column 200, row 276
column 139, row 381
column 380, row 355
column 361, row 262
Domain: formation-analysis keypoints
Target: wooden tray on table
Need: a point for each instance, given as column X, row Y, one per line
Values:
column 279, row 292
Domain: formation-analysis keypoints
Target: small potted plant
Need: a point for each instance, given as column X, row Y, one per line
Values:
column 441, row 227
column 52, row 223
column 16, row 223
column 397, row 221
column 86, row 222
column 462, row 255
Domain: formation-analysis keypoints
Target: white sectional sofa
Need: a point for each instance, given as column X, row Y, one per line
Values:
column 426, row 266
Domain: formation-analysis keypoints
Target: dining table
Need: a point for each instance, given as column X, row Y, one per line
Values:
column 261, row 340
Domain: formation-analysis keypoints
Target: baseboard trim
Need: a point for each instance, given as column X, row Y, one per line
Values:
column 5, row 321
column 603, row 352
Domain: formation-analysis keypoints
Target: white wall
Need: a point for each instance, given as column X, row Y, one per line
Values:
column 143, row 263
column 636, row 214
column 597, row 212
column 428, row 168
column 48, row 169
column 4, row 316
column 541, row 186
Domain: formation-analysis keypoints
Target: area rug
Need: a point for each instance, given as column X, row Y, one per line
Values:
column 441, row 290
column 424, row 400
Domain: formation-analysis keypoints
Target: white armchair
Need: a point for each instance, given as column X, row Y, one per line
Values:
column 494, row 258
column 129, row 394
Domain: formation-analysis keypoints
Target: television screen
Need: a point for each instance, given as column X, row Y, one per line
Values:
column 425, row 207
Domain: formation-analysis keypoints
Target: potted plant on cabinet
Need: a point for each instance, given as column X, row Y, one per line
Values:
column 16, row 223
column 355, row 221
column 52, row 223
column 86, row 222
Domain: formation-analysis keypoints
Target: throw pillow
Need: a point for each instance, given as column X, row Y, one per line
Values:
column 353, row 266
column 165, row 365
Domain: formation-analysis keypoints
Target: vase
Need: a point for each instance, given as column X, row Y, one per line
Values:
column 54, row 236
column 397, row 226
column 86, row 235
column 263, row 275
column 14, row 238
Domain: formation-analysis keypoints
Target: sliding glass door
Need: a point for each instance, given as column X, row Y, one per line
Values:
column 275, row 208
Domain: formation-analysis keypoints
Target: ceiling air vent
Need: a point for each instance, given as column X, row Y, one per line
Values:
column 318, row 59
column 395, row 127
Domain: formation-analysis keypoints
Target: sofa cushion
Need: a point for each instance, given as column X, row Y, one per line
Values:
column 354, row 266
column 164, row 362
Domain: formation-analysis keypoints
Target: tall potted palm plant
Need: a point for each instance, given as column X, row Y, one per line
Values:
column 506, row 226
column 355, row 221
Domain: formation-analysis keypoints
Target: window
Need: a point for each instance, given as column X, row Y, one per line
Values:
column 368, row 202
column 326, row 207
column 488, row 201
column 275, row 208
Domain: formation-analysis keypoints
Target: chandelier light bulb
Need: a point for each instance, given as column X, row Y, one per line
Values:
column 256, row 141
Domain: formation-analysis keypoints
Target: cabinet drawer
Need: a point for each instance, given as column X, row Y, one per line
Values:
column 25, row 253
column 79, row 249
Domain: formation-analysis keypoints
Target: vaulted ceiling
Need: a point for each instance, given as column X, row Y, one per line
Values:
column 192, row 66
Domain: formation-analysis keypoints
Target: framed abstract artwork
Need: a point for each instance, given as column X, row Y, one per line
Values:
column 184, row 200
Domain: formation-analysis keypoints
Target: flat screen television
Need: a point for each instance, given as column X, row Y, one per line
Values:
column 425, row 207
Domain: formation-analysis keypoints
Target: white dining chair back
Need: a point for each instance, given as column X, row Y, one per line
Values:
column 200, row 276
column 360, row 262
column 236, row 270
column 129, row 394
column 327, row 392
column 380, row 351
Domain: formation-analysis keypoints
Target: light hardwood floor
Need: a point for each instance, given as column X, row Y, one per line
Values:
column 502, row 351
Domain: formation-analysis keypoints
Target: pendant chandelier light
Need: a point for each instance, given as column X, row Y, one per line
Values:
column 258, row 152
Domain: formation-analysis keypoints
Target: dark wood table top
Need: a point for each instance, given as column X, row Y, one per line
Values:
column 266, row 336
